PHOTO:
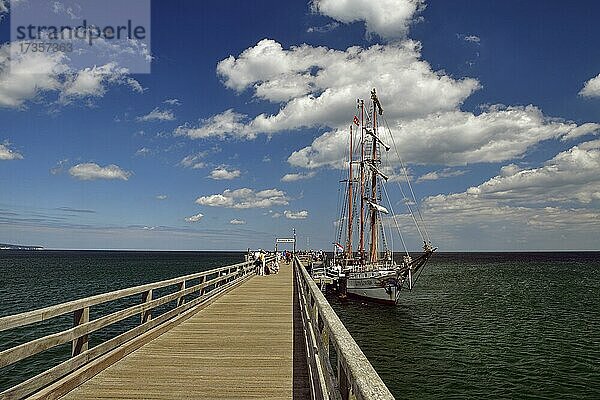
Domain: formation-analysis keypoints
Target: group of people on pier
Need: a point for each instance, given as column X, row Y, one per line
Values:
column 267, row 268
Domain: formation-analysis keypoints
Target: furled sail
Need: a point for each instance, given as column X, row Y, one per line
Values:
column 379, row 207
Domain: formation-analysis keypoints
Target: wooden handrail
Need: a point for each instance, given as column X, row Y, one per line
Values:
column 43, row 314
column 36, row 346
column 356, row 377
column 224, row 279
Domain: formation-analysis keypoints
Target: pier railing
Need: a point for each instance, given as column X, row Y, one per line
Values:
column 351, row 375
column 87, row 361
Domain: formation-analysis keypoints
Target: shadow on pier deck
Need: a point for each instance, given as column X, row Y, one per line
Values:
column 230, row 335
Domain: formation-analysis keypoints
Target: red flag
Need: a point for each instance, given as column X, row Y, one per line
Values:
column 356, row 121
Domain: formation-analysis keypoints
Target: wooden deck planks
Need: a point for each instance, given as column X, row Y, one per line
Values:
column 239, row 347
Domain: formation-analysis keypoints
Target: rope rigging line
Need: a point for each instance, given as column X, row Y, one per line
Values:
column 343, row 219
column 396, row 221
column 339, row 221
column 407, row 180
column 412, row 214
column 338, row 229
column 380, row 220
column 407, row 203
column 390, row 227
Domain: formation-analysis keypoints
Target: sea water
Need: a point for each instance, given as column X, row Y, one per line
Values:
column 477, row 325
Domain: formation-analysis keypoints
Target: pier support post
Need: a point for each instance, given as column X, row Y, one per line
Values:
column 80, row 344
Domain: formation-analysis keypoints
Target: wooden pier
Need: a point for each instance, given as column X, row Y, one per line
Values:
column 242, row 337
column 238, row 347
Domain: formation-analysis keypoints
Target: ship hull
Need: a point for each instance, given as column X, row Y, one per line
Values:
column 378, row 286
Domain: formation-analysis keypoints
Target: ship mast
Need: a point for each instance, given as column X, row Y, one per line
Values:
column 373, row 160
column 373, row 201
column 362, row 182
column 350, row 201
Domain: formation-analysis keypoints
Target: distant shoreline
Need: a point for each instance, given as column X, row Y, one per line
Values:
column 6, row 246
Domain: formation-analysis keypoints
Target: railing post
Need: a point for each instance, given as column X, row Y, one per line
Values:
column 325, row 340
column 315, row 311
column 342, row 380
column 147, row 313
column 181, row 300
column 203, row 290
column 224, row 280
column 80, row 344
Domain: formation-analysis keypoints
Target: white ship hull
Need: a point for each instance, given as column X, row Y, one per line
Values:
column 378, row 285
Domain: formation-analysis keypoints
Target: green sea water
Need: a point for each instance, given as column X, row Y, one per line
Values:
column 489, row 325
column 477, row 325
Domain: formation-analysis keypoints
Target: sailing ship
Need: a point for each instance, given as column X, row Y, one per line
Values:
column 370, row 271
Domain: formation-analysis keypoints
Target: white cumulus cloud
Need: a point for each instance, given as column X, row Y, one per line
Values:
column 570, row 177
column 558, row 196
column 582, row 130
column 469, row 38
column 295, row 214
column 328, row 81
column 227, row 124
column 298, row 177
column 93, row 171
column 453, row 138
column 322, row 29
column 194, row 161
column 143, row 152
column 194, row 218
column 222, row 173
column 591, row 88
column 29, row 76
column 237, row 222
column 173, row 102
column 495, row 224
column 245, row 198
column 93, row 82
column 6, row 153
column 534, row 207
column 157, row 115
column 441, row 174
column 318, row 87
column 390, row 19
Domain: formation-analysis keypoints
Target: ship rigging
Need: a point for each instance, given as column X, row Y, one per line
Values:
column 370, row 271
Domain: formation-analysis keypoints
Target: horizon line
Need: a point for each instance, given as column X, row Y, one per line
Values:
column 243, row 251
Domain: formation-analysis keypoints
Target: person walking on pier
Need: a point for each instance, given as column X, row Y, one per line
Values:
column 275, row 263
column 257, row 262
column 263, row 259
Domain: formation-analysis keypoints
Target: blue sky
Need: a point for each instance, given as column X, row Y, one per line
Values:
column 495, row 106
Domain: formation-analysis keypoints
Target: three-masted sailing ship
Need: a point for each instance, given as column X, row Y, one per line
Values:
column 365, row 266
